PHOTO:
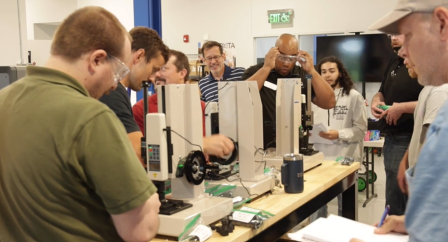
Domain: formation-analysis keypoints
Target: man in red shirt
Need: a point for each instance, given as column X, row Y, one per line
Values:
column 176, row 71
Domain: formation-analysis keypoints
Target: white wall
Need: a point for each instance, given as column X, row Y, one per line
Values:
column 47, row 11
column 224, row 21
column 43, row 17
column 123, row 9
column 240, row 21
column 9, row 33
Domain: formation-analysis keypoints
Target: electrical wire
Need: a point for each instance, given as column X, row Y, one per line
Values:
column 247, row 190
column 185, row 139
column 262, row 157
column 205, row 108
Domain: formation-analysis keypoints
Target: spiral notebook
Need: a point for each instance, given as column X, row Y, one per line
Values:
column 339, row 229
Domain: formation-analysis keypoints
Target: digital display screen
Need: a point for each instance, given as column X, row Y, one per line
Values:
column 364, row 56
column 154, row 166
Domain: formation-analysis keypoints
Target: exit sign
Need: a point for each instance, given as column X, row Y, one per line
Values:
column 280, row 16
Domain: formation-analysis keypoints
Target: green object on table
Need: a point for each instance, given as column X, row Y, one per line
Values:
column 383, row 107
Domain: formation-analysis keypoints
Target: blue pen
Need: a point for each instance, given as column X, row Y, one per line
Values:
column 386, row 211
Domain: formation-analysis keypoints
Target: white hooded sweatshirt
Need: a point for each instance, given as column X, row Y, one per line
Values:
column 349, row 118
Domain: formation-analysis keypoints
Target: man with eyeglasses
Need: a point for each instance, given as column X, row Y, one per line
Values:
column 214, row 57
column 399, row 91
column 149, row 54
column 280, row 62
column 67, row 169
column 176, row 71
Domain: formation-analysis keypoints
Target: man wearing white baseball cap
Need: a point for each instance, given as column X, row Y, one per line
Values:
column 424, row 23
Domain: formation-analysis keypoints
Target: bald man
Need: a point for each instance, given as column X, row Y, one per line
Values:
column 280, row 62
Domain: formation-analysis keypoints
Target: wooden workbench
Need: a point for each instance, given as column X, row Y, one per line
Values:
column 322, row 184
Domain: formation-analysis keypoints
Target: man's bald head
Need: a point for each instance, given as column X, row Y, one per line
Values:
column 287, row 42
column 287, row 45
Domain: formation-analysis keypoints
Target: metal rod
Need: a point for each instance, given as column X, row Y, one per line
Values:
column 20, row 33
column 145, row 85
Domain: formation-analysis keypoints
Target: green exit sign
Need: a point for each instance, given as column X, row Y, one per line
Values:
column 280, row 16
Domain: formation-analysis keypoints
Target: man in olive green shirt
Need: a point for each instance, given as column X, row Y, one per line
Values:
column 68, row 171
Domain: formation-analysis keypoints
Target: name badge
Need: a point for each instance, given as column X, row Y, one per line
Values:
column 270, row 85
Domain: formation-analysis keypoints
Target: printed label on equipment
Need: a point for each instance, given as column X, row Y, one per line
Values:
column 242, row 216
column 237, row 199
column 203, row 232
column 270, row 85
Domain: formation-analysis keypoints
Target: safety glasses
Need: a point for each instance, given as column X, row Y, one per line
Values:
column 119, row 69
column 289, row 58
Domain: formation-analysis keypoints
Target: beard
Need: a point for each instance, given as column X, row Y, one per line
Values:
column 335, row 83
column 396, row 49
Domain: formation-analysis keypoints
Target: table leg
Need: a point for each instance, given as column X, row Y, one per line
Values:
column 367, row 175
column 368, row 197
column 350, row 202
column 373, row 174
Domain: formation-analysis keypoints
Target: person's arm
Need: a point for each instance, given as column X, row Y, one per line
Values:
column 359, row 120
column 135, row 138
column 391, row 224
column 394, row 112
column 218, row 145
column 378, row 99
column 401, row 177
column 107, row 164
column 324, row 93
column 132, row 225
column 137, row 111
column 435, row 101
column 262, row 74
column 120, row 107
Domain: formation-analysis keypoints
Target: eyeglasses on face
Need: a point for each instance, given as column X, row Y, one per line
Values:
column 210, row 58
column 390, row 36
column 119, row 69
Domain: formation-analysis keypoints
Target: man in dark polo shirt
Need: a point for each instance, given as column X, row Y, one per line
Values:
column 280, row 62
column 67, row 169
column 214, row 58
column 149, row 54
column 401, row 92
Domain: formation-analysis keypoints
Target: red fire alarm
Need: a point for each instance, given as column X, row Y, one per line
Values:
column 186, row 38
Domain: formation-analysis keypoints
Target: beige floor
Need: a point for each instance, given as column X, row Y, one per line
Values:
column 375, row 208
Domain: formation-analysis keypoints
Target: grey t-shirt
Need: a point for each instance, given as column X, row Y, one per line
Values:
column 429, row 102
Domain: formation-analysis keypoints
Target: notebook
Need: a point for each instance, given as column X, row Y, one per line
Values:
column 315, row 138
column 339, row 229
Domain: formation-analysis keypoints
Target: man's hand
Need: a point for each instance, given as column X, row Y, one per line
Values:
column 271, row 56
column 376, row 112
column 392, row 224
column 331, row 134
column 218, row 145
column 307, row 65
column 401, row 177
column 392, row 114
